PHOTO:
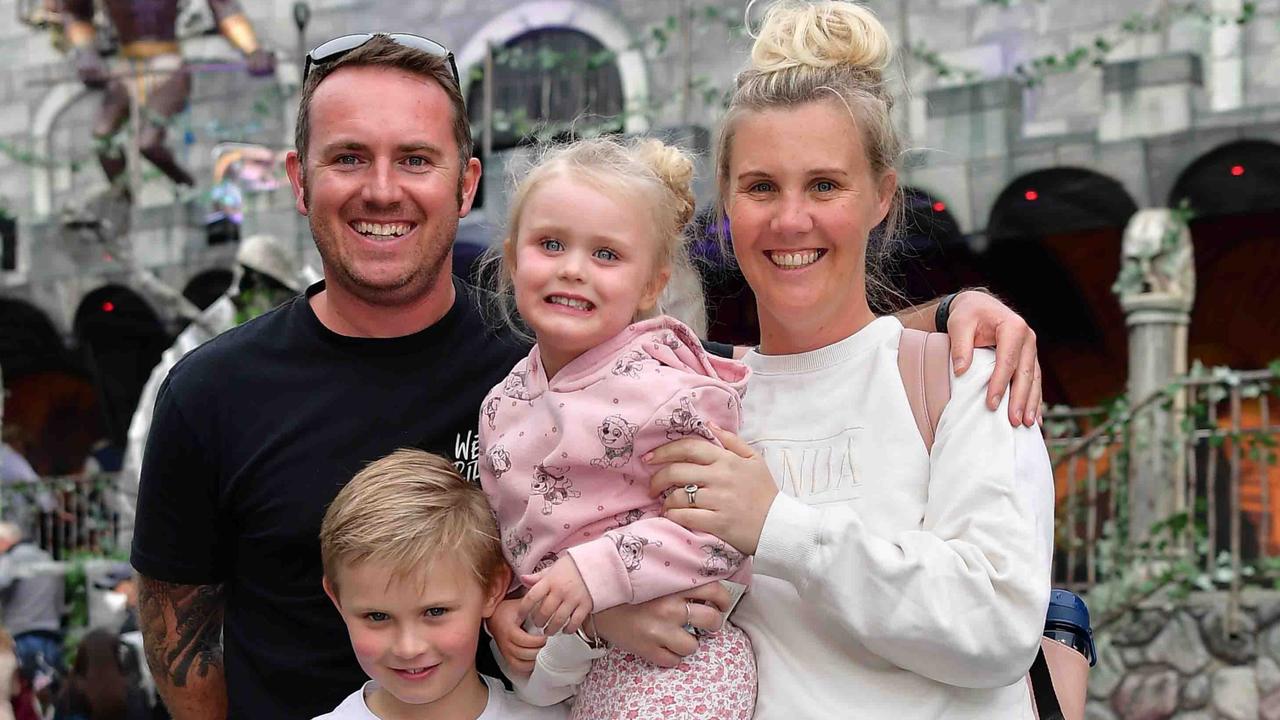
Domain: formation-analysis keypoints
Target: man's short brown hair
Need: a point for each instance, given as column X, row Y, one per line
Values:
column 406, row 510
column 382, row 51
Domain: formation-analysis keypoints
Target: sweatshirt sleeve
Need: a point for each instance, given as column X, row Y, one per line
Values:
column 653, row 557
column 960, row 600
column 559, row 669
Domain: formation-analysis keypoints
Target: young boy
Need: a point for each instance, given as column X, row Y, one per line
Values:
column 413, row 562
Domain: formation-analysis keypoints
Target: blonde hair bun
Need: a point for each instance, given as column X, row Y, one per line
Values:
column 821, row 35
column 674, row 167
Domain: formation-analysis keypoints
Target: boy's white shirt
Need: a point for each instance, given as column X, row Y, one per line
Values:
column 502, row 705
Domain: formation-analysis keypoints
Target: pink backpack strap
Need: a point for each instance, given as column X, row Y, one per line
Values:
column 924, row 361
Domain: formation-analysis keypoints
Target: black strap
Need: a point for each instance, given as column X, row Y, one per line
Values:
column 1042, row 687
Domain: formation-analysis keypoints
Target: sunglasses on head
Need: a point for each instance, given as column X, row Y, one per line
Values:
column 331, row 50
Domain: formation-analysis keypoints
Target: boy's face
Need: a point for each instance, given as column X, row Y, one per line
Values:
column 415, row 636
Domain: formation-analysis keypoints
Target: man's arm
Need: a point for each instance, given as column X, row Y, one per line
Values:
column 979, row 319
column 182, row 635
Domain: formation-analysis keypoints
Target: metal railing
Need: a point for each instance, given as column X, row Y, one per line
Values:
column 1218, row 447
column 67, row 516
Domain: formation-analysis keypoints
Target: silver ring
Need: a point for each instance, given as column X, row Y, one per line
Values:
column 688, row 614
column 692, row 491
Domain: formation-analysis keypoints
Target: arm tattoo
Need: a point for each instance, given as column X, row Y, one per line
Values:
column 181, row 629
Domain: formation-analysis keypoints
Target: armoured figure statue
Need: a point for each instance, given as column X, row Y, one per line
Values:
column 150, row 71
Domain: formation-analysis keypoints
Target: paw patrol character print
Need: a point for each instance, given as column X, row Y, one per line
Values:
column 628, row 517
column 518, row 545
column 721, row 560
column 619, row 439
column 490, row 410
column 499, row 461
column 552, row 484
column 630, row 364
column 684, row 422
column 545, row 562
column 517, row 385
column 631, row 549
column 669, row 339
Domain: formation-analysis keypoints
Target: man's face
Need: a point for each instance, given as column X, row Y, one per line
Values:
column 382, row 185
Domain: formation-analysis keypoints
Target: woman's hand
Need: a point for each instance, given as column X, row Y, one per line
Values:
column 518, row 647
column 734, row 487
column 981, row 320
column 655, row 630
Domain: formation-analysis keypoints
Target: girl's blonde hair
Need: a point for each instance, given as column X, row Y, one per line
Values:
column 830, row 51
column 644, row 171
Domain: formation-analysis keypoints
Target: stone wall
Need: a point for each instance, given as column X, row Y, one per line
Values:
column 1158, row 102
column 1186, row 661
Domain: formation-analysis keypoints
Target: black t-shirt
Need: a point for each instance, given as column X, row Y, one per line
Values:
column 253, row 435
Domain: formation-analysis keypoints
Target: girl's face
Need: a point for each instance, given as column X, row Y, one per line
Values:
column 802, row 199
column 585, row 264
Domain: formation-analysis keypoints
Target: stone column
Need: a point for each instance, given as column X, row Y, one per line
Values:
column 1156, row 289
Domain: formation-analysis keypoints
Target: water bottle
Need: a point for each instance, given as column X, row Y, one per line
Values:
column 1068, row 623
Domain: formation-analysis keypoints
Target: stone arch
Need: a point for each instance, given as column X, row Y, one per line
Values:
column 1233, row 191
column 1235, row 178
column 932, row 257
column 1058, row 200
column 583, row 17
column 29, row 340
column 206, row 287
column 120, row 338
column 1053, row 252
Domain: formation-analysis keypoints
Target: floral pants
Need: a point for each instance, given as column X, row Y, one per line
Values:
column 718, row 682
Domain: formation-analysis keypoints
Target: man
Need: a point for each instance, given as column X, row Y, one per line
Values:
column 256, row 431
column 31, row 593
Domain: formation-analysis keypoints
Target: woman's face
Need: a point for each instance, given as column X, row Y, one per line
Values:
column 802, row 199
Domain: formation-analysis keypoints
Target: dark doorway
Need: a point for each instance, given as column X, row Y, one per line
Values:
column 120, row 339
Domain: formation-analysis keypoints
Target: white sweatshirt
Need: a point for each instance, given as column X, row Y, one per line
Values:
column 892, row 583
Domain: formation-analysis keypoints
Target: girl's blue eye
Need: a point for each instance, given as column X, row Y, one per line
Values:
column 606, row 254
column 436, row 612
column 552, row 245
column 376, row 616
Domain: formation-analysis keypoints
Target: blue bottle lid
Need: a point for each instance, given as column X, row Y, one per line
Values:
column 1067, row 611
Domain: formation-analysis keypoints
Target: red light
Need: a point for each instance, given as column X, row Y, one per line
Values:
column 1031, row 195
column 939, row 206
column 108, row 306
column 1237, row 170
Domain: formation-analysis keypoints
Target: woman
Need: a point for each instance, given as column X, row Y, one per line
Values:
column 99, row 686
column 890, row 581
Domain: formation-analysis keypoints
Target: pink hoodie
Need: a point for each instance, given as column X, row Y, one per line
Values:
column 562, row 461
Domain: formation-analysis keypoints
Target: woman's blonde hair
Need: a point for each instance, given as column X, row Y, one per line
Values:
column 644, row 171
column 406, row 510
column 831, row 51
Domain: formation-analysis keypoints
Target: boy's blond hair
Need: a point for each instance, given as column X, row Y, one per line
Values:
column 406, row 510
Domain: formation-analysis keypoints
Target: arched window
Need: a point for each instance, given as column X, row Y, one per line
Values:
column 548, row 83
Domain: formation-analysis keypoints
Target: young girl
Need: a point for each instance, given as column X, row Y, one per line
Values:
column 596, row 229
